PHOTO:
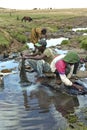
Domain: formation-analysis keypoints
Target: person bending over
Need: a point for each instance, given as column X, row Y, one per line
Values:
column 37, row 34
column 41, row 63
column 65, row 66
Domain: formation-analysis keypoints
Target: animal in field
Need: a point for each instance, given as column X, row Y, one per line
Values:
column 26, row 18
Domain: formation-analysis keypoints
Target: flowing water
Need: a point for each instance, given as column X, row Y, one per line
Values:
column 32, row 106
column 25, row 106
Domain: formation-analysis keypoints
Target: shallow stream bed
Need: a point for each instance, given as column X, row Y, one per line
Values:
column 25, row 106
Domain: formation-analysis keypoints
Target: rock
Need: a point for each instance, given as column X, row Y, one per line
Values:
column 81, row 74
column 6, row 71
column 49, row 74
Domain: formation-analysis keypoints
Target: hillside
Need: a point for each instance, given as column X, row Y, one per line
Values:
column 14, row 33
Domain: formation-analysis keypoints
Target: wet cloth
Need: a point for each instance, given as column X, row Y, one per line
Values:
column 74, row 91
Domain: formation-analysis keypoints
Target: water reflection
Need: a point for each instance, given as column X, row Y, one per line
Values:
column 25, row 96
column 1, row 83
column 41, row 100
column 26, row 106
column 63, row 103
column 48, row 107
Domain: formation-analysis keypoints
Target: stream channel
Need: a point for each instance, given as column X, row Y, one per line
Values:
column 26, row 106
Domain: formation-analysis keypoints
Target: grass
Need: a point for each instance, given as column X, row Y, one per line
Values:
column 52, row 19
column 3, row 40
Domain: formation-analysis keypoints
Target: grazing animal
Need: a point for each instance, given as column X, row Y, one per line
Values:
column 26, row 18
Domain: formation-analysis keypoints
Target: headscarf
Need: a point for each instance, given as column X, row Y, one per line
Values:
column 71, row 57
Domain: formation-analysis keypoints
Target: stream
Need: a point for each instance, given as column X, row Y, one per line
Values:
column 32, row 106
column 25, row 106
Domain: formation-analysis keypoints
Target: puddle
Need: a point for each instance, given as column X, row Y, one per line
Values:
column 76, row 29
column 50, row 42
column 10, row 64
column 56, row 41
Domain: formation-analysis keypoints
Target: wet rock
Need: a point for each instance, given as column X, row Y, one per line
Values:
column 5, row 55
column 1, row 57
column 6, row 71
column 50, row 75
column 13, row 55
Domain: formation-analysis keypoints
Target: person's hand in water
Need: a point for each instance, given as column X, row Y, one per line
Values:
column 79, row 87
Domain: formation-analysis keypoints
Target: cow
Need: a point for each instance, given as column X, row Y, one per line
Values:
column 26, row 18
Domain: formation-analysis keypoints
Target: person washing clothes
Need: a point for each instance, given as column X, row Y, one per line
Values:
column 37, row 34
column 65, row 66
column 41, row 62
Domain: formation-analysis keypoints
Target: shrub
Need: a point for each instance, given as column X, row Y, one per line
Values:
column 21, row 38
column 83, row 44
column 25, row 47
column 65, row 42
column 3, row 40
column 81, row 38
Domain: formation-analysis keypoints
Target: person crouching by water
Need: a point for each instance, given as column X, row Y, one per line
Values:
column 65, row 66
column 41, row 63
column 37, row 34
